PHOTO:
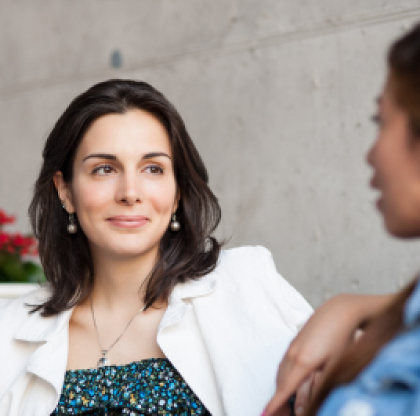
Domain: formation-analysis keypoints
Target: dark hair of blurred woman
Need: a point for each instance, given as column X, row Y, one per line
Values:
column 398, row 142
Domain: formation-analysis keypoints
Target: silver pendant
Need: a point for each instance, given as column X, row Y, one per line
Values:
column 103, row 361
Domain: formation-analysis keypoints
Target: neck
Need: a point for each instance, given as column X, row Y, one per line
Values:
column 119, row 283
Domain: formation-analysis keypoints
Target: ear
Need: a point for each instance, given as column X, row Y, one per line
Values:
column 64, row 192
column 176, row 202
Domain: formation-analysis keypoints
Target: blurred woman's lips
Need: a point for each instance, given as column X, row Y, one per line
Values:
column 374, row 183
column 128, row 221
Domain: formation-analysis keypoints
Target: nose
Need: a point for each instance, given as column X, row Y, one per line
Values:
column 128, row 191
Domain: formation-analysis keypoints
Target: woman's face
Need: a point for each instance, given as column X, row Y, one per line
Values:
column 395, row 159
column 123, row 188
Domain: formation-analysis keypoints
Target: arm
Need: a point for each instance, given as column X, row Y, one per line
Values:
column 326, row 334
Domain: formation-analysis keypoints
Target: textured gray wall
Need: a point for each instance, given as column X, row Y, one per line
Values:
column 277, row 95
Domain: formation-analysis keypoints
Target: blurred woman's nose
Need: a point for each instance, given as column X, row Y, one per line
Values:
column 129, row 191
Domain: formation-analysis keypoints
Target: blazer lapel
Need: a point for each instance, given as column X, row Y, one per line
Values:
column 48, row 362
column 180, row 339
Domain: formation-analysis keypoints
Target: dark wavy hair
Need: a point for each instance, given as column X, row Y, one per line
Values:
column 187, row 254
column 404, row 79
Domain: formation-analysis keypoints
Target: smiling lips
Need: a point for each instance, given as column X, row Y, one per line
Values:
column 128, row 221
column 374, row 183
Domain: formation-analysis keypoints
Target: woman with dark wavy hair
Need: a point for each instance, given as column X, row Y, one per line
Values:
column 142, row 312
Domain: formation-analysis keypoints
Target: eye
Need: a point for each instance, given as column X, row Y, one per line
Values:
column 154, row 169
column 103, row 170
column 377, row 120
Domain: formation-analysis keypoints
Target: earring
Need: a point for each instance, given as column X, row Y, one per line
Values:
column 71, row 227
column 175, row 225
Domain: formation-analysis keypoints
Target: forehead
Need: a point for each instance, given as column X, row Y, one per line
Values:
column 133, row 133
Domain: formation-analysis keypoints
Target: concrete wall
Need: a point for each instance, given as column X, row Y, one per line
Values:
column 277, row 95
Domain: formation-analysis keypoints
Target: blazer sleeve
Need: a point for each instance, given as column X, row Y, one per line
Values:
column 247, row 323
column 295, row 309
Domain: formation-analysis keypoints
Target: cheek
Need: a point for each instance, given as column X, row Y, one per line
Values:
column 401, row 196
column 91, row 197
column 390, row 163
column 161, row 196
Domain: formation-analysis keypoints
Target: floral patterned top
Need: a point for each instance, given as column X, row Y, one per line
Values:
column 147, row 387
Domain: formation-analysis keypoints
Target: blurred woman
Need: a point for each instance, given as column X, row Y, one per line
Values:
column 380, row 373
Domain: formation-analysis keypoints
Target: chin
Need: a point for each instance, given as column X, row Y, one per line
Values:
column 129, row 251
column 402, row 230
column 127, row 248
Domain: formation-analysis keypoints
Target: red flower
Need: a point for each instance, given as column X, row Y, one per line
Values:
column 4, row 239
column 16, row 243
column 14, row 246
column 18, row 240
column 5, row 219
column 24, row 245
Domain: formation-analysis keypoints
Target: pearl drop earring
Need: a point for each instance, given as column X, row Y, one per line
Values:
column 72, row 227
column 175, row 225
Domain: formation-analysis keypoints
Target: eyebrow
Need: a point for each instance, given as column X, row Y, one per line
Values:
column 100, row 156
column 155, row 154
column 113, row 157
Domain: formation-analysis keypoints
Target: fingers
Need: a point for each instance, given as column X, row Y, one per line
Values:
column 317, row 380
column 288, row 379
column 303, row 395
column 276, row 407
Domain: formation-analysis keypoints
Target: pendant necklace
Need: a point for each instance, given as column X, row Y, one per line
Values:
column 104, row 361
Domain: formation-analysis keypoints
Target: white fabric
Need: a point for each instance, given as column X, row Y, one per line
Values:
column 225, row 333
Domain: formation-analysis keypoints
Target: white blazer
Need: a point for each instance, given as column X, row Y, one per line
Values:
column 225, row 333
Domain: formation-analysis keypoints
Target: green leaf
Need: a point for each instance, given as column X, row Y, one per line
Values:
column 12, row 269
column 33, row 273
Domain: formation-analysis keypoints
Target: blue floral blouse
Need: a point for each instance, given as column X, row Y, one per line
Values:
column 148, row 387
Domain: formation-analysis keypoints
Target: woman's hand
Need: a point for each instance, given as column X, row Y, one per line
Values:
column 323, row 338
